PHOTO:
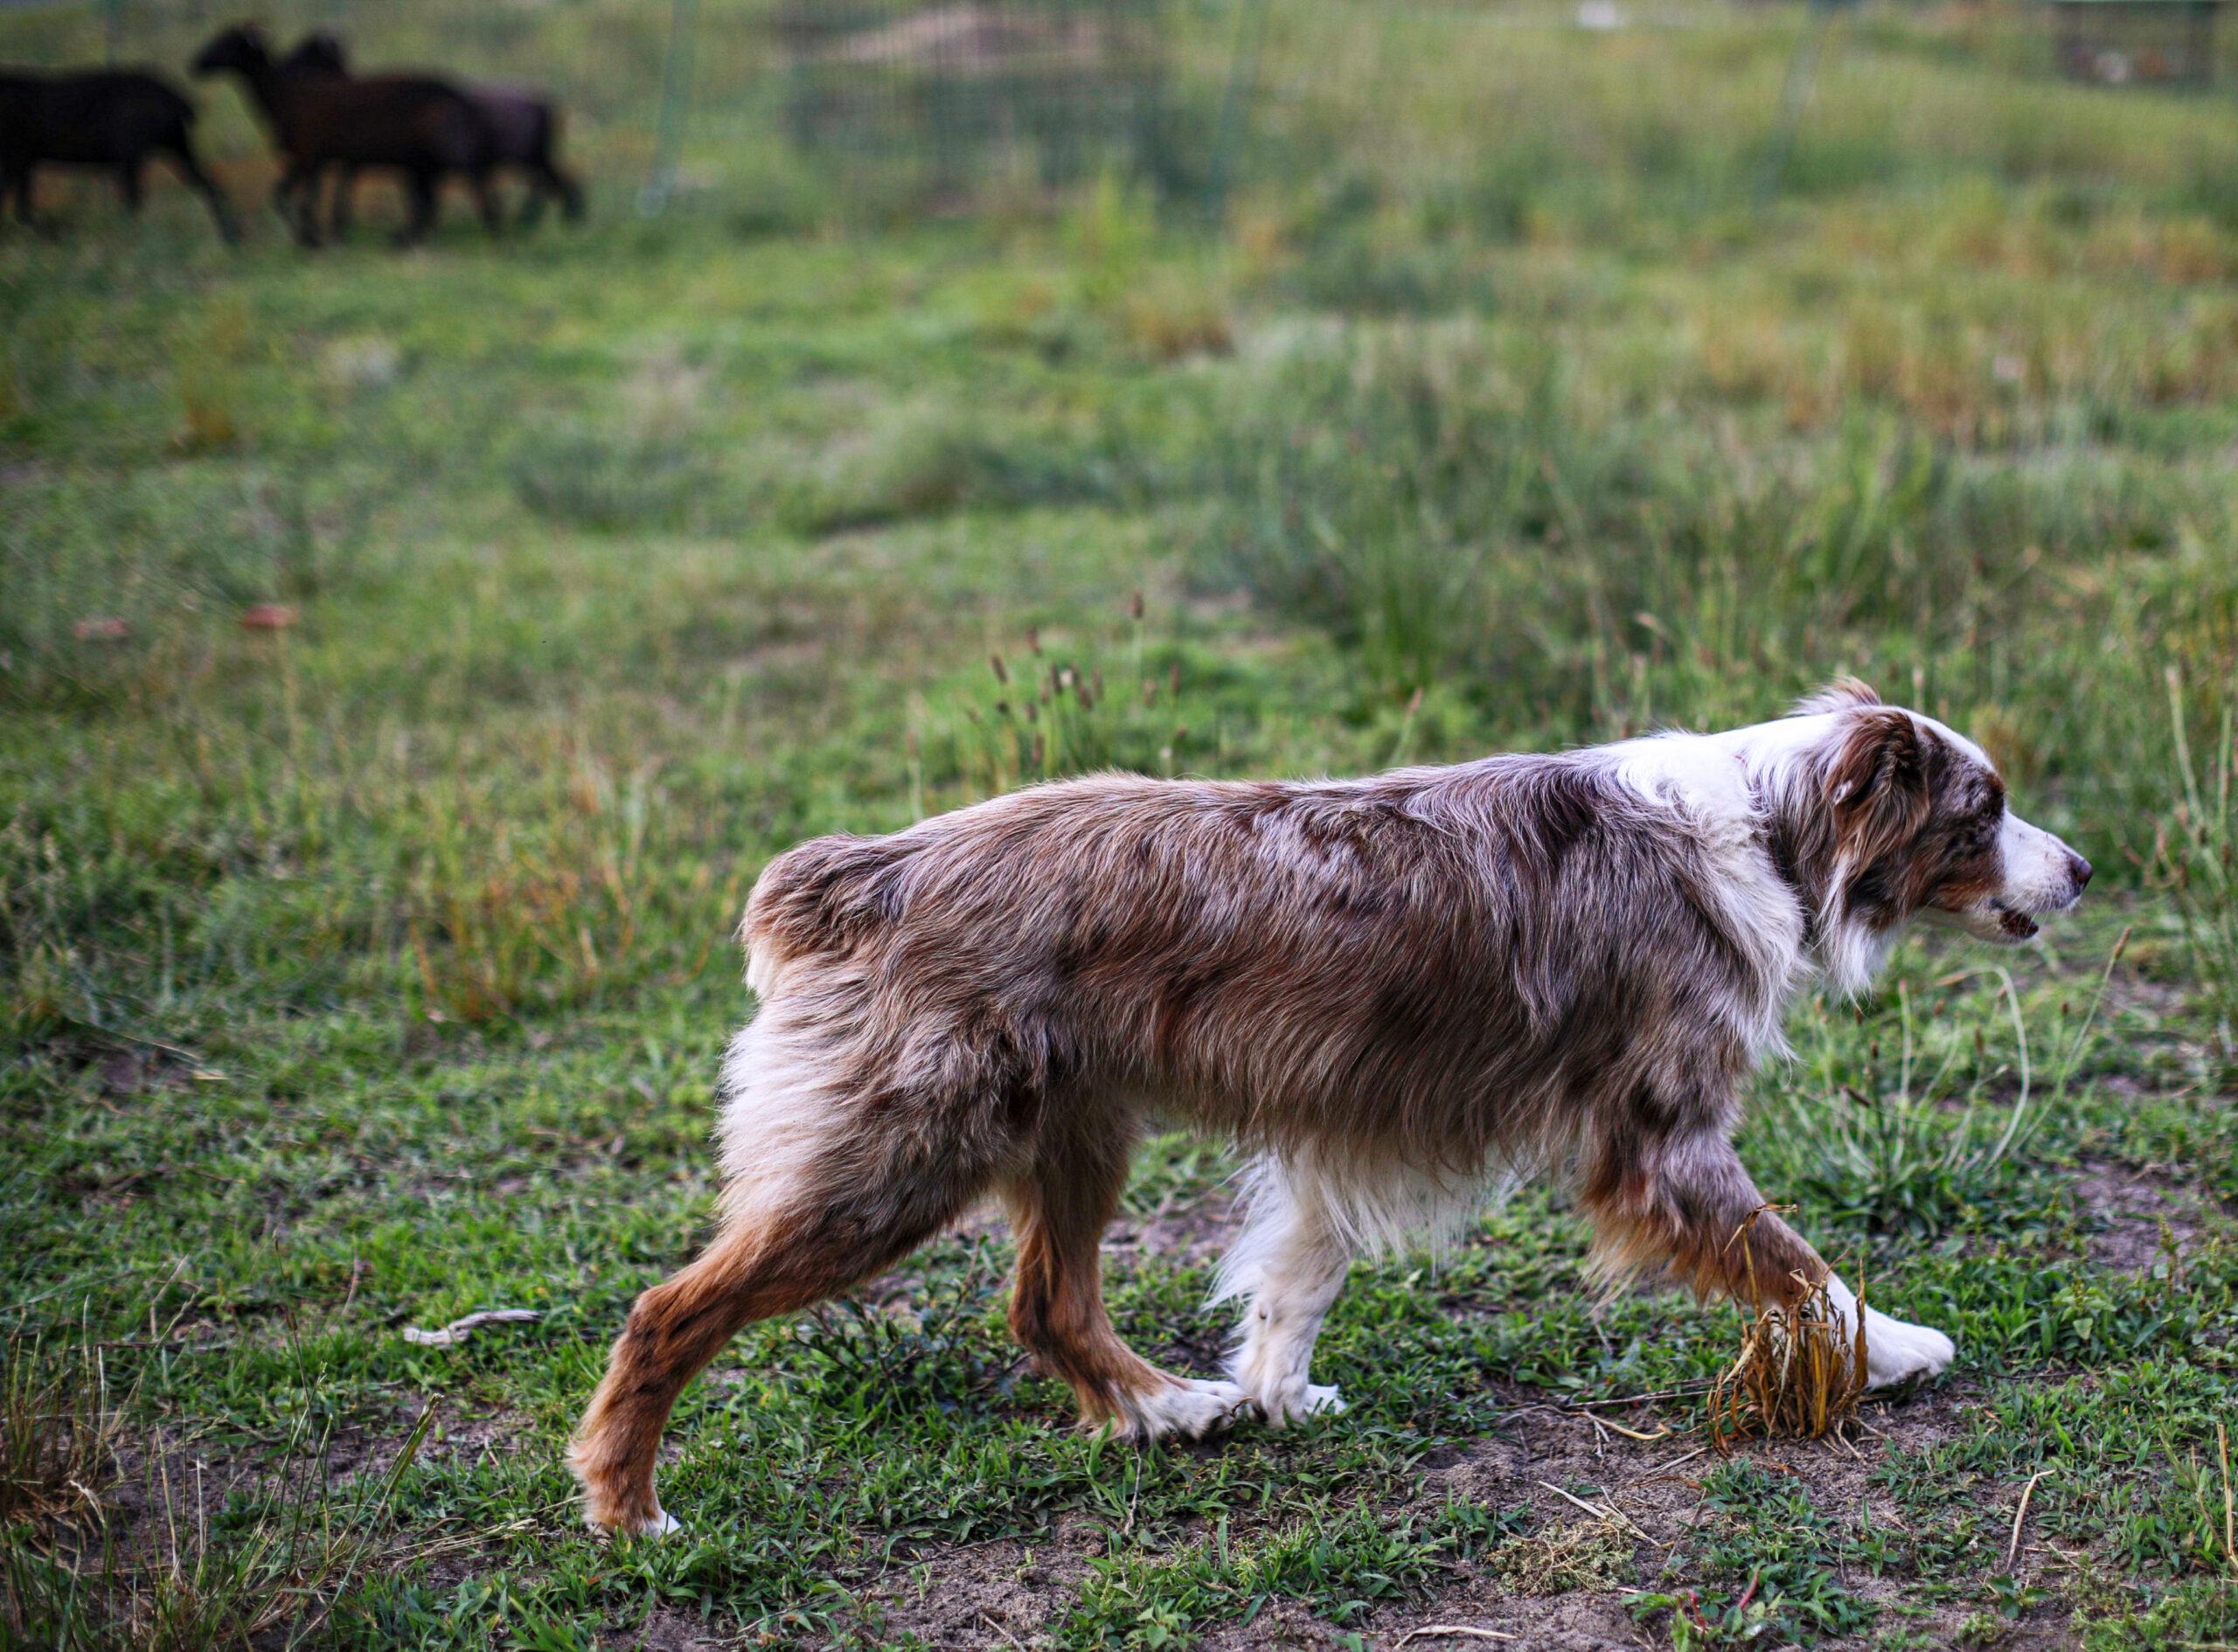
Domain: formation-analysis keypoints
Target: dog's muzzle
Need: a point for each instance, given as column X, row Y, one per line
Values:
column 2016, row 920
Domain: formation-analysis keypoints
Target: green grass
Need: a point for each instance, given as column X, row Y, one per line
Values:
column 373, row 971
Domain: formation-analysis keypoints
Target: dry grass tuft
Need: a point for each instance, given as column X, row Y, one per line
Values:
column 1590, row 1554
column 294, row 1545
column 58, row 1446
column 1800, row 1371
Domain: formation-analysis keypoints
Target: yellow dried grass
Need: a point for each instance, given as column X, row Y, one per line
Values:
column 1800, row 1371
column 58, row 1434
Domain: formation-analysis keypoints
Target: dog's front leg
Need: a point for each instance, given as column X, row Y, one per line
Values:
column 1894, row 1351
column 1685, row 1207
column 1290, row 1262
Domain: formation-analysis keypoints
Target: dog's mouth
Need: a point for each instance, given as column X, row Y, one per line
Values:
column 1991, row 920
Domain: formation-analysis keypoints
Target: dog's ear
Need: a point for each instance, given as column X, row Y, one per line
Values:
column 1842, row 694
column 1877, row 784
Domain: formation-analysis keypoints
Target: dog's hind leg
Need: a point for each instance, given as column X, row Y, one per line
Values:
column 1058, row 1209
column 1289, row 1261
column 819, row 1198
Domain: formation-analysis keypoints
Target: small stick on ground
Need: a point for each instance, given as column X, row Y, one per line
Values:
column 1460, row 1629
column 1689, row 1457
column 1000, row 1630
column 1689, row 1392
column 1629, row 1434
column 1613, row 1515
column 459, row 1329
column 2019, row 1514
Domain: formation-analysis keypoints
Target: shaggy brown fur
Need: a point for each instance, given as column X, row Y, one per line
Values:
column 1395, row 989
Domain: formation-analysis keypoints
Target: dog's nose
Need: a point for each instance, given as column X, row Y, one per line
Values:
column 2078, row 870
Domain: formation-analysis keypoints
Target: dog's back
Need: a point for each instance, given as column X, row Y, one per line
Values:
column 1421, row 964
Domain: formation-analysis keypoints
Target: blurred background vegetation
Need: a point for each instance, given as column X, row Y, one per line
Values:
column 1533, row 368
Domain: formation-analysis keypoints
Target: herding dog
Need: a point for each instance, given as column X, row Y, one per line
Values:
column 1390, row 992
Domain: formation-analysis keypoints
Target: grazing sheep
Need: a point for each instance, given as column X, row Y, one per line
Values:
column 423, row 127
column 112, row 118
column 525, row 123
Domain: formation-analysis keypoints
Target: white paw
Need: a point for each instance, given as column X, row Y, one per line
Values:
column 662, row 1524
column 1895, row 1352
column 1188, row 1406
column 1292, row 1402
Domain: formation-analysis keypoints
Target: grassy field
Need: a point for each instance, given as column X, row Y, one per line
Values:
column 369, row 972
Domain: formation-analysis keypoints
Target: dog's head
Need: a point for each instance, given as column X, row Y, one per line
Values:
column 1906, row 818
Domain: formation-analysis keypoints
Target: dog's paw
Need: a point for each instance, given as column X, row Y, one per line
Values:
column 661, row 1524
column 1896, row 1352
column 1295, row 1402
column 1189, row 1406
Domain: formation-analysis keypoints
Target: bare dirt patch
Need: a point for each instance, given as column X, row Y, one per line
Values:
column 1193, row 1233
column 2141, row 1217
column 1654, row 1490
column 989, row 1594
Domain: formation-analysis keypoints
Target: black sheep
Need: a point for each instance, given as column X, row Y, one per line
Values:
column 111, row 118
column 423, row 127
column 525, row 124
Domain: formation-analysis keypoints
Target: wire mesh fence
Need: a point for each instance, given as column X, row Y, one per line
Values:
column 1053, row 91
column 2117, row 42
column 884, row 100
column 1489, row 113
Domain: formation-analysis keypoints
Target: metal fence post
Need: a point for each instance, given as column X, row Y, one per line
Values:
column 676, row 93
column 1795, row 91
column 1235, row 102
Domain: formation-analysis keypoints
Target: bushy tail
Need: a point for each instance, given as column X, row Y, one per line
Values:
column 823, row 897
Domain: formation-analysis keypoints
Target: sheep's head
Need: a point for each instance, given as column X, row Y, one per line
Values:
column 319, row 52
column 243, row 48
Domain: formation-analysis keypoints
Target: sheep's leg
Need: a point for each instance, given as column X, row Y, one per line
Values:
column 345, row 185
column 186, row 166
column 538, row 178
column 16, row 181
column 129, row 188
column 485, row 199
column 548, row 183
column 423, row 208
column 296, row 199
column 27, row 202
column 307, row 207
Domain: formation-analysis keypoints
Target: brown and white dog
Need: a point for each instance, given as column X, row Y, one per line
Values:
column 1390, row 993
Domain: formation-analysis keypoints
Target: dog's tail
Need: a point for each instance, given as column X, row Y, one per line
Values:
column 822, row 898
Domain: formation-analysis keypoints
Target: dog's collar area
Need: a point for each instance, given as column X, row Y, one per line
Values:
column 1782, row 855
